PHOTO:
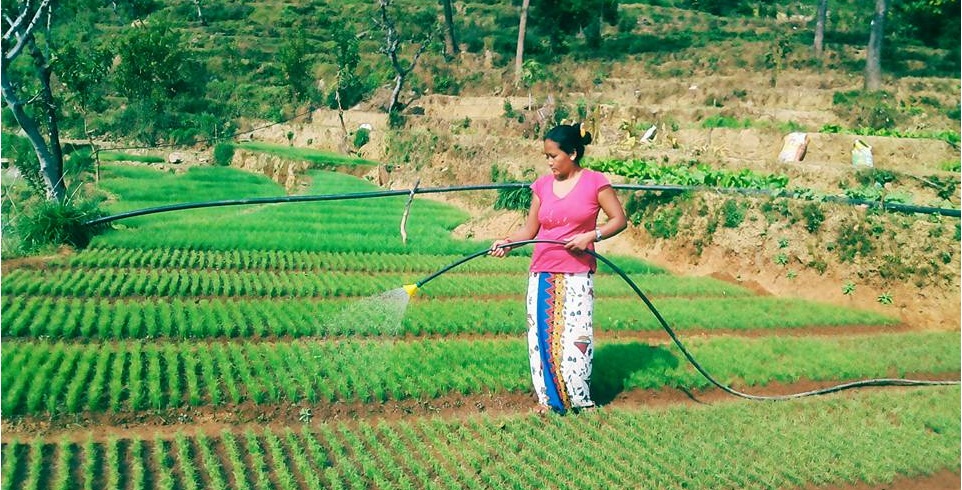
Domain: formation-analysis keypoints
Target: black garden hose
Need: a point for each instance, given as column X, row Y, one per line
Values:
column 412, row 288
column 905, row 208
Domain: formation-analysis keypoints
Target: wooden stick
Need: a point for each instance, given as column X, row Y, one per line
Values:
column 407, row 209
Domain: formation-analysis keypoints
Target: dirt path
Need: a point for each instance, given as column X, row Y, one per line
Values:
column 166, row 424
column 940, row 480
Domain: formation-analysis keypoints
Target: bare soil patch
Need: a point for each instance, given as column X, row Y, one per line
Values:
column 941, row 480
column 35, row 262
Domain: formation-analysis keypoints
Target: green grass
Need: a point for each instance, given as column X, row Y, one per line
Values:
column 116, row 156
column 139, row 187
column 318, row 157
column 719, row 121
column 335, row 226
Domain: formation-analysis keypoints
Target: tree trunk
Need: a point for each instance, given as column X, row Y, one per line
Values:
column 392, row 46
column 55, row 168
column 200, row 14
column 820, row 16
column 396, row 93
column 50, row 169
column 519, row 53
column 345, row 144
column 873, row 57
column 20, row 35
column 450, row 40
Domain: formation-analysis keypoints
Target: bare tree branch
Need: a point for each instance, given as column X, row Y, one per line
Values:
column 22, row 35
column 392, row 47
column 16, row 23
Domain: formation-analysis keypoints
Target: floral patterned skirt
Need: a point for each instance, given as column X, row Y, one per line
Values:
column 560, row 338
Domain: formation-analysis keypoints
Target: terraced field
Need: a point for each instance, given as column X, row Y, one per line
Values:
column 211, row 349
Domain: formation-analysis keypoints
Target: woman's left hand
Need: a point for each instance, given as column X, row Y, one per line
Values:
column 580, row 242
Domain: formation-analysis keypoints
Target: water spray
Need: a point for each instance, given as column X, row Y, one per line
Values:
column 412, row 289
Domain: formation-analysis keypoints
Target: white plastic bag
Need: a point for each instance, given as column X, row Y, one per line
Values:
column 862, row 154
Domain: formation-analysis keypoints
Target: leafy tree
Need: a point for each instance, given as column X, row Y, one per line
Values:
column 83, row 71
column 935, row 23
column 161, row 79
column 155, row 63
column 561, row 20
column 293, row 57
column 350, row 88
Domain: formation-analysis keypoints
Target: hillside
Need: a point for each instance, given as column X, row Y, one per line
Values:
column 458, row 139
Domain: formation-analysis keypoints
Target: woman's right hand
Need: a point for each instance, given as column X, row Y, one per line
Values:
column 497, row 250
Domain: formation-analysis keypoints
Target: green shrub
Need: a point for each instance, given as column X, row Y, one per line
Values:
column 561, row 113
column 945, row 187
column 223, row 154
column 719, row 121
column 446, row 83
column 395, row 120
column 509, row 112
column 775, row 210
column 952, row 166
column 853, row 239
column 733, row 214
column 814, row 216
column 361, row 137
column 514, row 199
column 878, row 176
column 664, row 222
column 54, row 223
column 875, row 110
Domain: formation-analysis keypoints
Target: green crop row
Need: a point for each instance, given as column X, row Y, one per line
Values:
column 104, row 319
column 168, row 232
column 693, row 174
column 323, row 158
column 186, row 282
column 868, row 438
column 164, row 258
column 69, row 378
column 349, row 225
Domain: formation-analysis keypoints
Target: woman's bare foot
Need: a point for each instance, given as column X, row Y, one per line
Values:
column 540, row 409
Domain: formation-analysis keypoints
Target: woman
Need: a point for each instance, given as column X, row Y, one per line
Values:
column 560, row 300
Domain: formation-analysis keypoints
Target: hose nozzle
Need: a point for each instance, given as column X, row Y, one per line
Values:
column 411, row 289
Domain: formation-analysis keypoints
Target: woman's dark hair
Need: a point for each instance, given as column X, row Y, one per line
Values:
column 570, row 139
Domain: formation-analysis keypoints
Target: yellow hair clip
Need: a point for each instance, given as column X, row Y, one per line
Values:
column 581, row 128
